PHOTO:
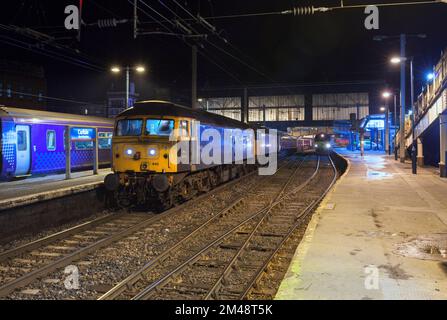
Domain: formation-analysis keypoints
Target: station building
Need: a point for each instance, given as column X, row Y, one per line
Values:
column 301, row 110
column 430, row 121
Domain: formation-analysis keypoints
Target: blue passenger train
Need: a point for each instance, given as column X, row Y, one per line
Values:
column 32, row 142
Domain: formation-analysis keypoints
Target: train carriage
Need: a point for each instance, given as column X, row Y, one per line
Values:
column 306, row 145
column 32, row 142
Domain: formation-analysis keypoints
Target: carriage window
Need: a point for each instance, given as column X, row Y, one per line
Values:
column 51, row 140
column 129, row 127
column 105, row 140
column 83, row 145
column 159, row 127
column 21, row 141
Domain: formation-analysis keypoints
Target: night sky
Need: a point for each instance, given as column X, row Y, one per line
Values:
column 331, row 47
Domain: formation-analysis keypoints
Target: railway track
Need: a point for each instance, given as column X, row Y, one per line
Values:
column 207, row 262
column 21, row 266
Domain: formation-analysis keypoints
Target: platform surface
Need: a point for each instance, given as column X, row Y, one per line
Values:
column 34, row 189
column 381, row 233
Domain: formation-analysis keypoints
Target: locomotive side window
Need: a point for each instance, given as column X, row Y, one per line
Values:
column 159, row 127
column 184, row 127
column 129, row 127
column 51, row 140
column 104, row 140
column 21, row 141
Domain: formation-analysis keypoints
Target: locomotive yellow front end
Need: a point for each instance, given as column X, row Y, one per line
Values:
column 142, row 145
column 145, row 157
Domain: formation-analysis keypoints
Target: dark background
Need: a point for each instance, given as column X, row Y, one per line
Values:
column 331, row 46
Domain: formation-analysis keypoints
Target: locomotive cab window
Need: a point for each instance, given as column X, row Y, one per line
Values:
column 159, row 127
column 129, row 127
column 51, row 140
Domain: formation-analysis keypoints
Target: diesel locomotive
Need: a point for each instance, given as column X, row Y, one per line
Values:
column 152, row 137
column 323, row 143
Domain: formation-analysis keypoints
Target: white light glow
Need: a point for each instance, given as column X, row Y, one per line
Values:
column 396, row 60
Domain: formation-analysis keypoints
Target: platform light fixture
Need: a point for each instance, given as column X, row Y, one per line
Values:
column 430, row 76
column 386, row 94
column 140, row 69
column 396, row 60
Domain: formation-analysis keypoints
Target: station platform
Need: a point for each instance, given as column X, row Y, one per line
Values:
column 381, row 233
column 35, row 189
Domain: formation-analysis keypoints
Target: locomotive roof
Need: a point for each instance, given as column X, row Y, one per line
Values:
column 166, row 109
column 28, row 113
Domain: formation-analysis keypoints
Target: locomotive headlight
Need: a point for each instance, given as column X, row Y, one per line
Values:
column 328, row 145
column 316, row 146
column 152, row 152
column 129, row 152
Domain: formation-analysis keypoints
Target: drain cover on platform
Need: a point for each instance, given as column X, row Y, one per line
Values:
column 426, row 247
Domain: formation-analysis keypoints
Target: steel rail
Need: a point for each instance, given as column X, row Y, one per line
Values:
column 14, row 252
column 298, row 222
column 28, row 278
column 230, row 265
column 148, row 290
column 136, row 276
column 66, row 260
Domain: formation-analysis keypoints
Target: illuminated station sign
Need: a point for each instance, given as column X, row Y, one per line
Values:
column 82, row 133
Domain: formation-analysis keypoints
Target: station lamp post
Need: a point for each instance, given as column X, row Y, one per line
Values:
column 138, row 69
column 402, row 61
column 386, row 95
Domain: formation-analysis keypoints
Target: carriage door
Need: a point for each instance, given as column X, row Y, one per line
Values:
column 23, row 150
